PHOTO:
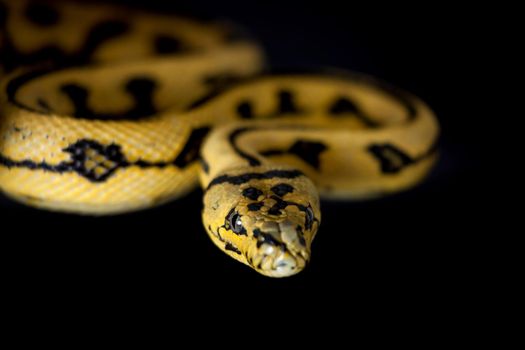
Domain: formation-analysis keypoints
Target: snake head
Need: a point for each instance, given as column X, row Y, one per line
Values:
column 266, row 222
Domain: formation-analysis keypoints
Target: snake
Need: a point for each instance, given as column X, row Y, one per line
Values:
column 108, row 110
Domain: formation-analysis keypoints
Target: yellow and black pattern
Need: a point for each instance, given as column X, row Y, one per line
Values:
column 123, row 110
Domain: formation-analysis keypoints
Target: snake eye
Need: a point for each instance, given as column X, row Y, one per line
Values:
column 233, row 222
column 236, row 223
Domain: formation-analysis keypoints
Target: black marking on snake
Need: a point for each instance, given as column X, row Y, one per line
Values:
column 227, row 219
column 282, row 189
column 29, row 164
column 244, row 178
column 255, row 206
column 286, row 105
column 276, row 208
column 79, row 97
column 219, row 235
column 100, row 33
column 97, row 162
column 165, row 44
column 43, row 104
column 252, row 193
column 308, row 151
column 300, row 234
column 85, row 152
column 21, row 80
column 190, row 152
column 343, row 106
column 12, row 59
column 282, row 204
column 310, row 218
column 263, row 237
column 231, row 247
column 42, row 15
column 245, row 110
column 204, row 165
column 89, row 159
column 233, row 142
column 392, row 159
column 140, row 88
column 216, row 234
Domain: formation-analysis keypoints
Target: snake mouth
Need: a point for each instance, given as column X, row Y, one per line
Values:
column 281, row 265
column 280, row 250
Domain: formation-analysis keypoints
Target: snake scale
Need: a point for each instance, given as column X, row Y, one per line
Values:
column 107, row 110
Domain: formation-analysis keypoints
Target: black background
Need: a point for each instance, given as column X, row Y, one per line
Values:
column 409, row 248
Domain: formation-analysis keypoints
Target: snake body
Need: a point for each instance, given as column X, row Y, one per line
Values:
column 148, row 103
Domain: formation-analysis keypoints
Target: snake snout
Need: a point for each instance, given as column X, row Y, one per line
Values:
column 281, row 249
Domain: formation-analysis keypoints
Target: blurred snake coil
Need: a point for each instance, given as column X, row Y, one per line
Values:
column 106, row 110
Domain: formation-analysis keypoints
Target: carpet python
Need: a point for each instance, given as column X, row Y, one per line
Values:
column 106, row 110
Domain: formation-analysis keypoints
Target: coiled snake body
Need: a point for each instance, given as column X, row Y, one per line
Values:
column 121, row 128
